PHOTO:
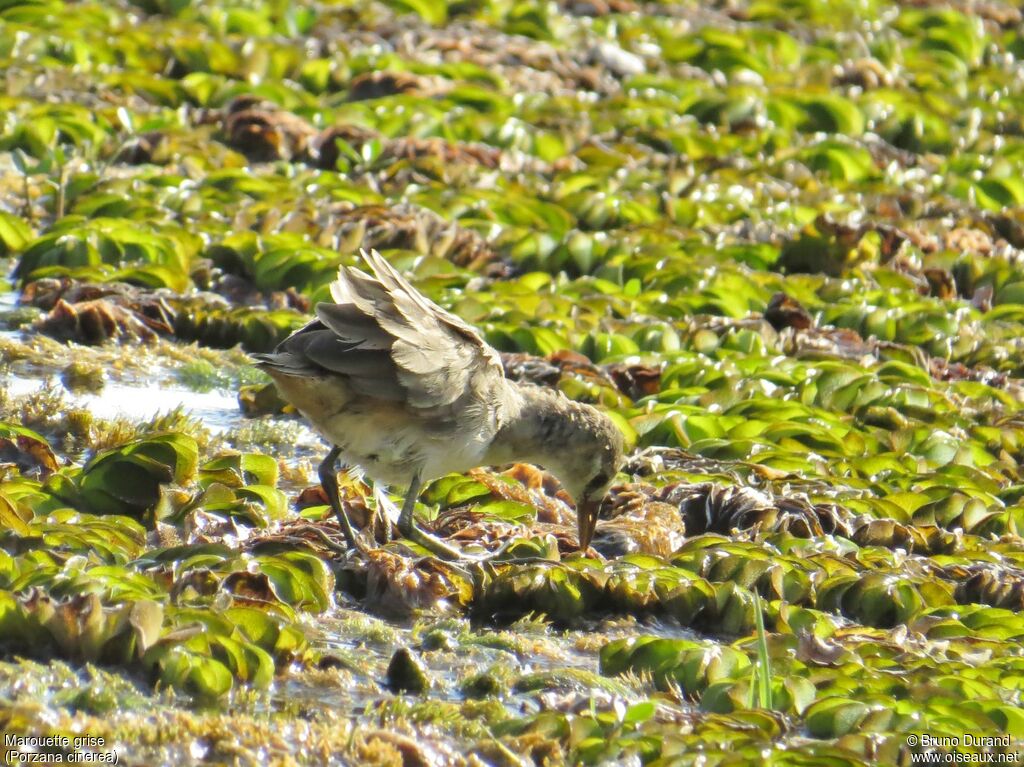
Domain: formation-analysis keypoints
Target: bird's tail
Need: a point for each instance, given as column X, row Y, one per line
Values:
column 282, row 362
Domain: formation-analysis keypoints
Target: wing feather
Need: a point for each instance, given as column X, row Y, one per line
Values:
column 391, row 342
column 351, row 325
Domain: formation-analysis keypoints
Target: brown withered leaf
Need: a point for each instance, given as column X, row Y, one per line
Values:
column 410, row 227
column 311, row 496
column 636, row 381
column 655, row 460
column 266, row 134
column 94, row 322
column 467, row 525
column 892, row 238
column 324, row 148
column 710, row 508
column 815, row 343
column 399, row 585
column 44, row 293
column 629, row 498
column 528, row 368
column 30, row 455
column 576, row 363
column 249, row 588
column 553, row 504
column 992, row 585
column 375, row 85
column 783, row 311
column 917, row 539
column 448, row 152
column 940, row 283
column 648, row 527
column 942, row 370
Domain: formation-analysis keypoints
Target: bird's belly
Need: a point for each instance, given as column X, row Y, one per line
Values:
column 387, row 440
column 392, row 456
column 390, row 445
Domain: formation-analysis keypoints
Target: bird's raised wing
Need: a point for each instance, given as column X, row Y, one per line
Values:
column 390, row 342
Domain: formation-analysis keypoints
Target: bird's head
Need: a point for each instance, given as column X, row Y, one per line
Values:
column 576, row 442
column 599, row 467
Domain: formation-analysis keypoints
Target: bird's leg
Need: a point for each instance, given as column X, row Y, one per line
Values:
column 329, row 482
column 407, row 526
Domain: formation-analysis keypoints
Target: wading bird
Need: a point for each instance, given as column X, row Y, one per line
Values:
column 410, row 392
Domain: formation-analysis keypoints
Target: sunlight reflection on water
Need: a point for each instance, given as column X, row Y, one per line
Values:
column 217, row 410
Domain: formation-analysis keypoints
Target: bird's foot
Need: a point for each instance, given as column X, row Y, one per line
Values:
column 435, row 546
column 324, row 538
column 448, row 553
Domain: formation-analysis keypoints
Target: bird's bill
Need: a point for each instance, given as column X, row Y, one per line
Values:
column 586, row 520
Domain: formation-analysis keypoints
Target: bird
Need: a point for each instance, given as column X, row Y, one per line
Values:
column 409, row 392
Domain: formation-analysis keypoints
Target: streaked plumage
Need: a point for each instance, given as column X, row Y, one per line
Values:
column 410, row 392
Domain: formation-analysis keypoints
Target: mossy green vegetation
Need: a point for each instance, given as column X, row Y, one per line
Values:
column 779, row 242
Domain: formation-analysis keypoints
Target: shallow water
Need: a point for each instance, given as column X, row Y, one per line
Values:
column 369, row 643
column 217, row 410
column 138, row 385
column 8, row 301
